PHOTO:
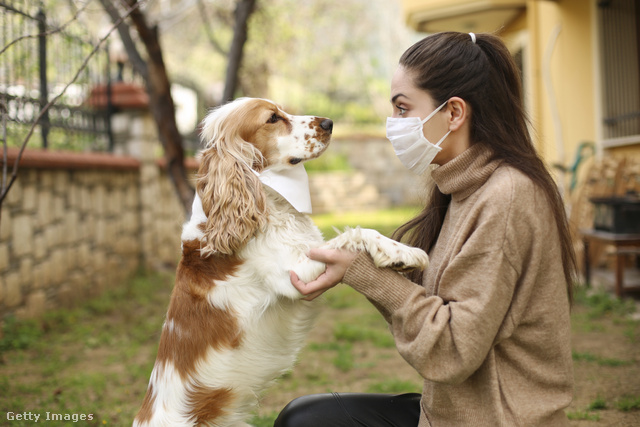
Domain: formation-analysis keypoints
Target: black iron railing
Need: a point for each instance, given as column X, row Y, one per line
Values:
column 38, row 60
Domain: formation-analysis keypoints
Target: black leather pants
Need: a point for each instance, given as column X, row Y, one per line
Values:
column 351, row 410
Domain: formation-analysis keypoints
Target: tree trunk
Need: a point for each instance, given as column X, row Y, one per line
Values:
column 243, row 11
column 163, row 109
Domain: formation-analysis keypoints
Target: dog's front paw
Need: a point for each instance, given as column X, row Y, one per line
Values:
column 308, row 269
column 400, row 257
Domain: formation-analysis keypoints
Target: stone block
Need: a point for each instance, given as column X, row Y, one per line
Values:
column 149, row 174
column 85, row 199
column 29, row 198
column 14, row 196
column 98, row 199
column 40, row 246
column 5, row 225
column 132, row 197
column 53, row 236
column 45, row 208
column 61, row 182
column 26, row 271
column 83, row 258
column 66, row 297
column 30, row 177
column 36, row 304
column 59, row 208
column 59, row 266
column 12, row 290
column 41, row 275
column 116, row 204
column 71, row 227
column 45, row 179
column 100, row 232
column 73, row 196
column 87, row 227
column 98, row 261
column 22, row 239
column 4, row 257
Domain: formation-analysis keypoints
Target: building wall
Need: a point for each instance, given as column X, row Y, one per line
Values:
column 561, row 73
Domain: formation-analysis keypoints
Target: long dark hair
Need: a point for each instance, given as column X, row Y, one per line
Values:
column 484, row 75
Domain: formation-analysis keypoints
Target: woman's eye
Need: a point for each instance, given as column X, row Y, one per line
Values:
column 274, row 118
column 401, row 111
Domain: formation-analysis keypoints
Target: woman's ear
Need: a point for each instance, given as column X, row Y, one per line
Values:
column 459, row 113
column 232, row 197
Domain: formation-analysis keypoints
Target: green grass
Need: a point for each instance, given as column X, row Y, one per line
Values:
column 264, row 420
column 628, row 403
column 394, row 386
column 385, row 221
column 601, row 361
column 583, row 416
column 597, row 404
column 85, row 360
column 378, row 335
column 602, row 304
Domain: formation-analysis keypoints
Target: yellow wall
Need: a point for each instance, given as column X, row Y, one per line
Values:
column 561, row 90
column 562, row 84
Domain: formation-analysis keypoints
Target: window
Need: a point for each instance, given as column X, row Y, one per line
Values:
column 620, row 62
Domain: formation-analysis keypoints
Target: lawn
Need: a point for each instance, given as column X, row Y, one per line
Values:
column 96, row 359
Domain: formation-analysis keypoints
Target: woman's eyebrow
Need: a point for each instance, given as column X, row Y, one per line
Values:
column 393, row 100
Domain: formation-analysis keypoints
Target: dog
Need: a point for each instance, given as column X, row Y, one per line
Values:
column 235, row 323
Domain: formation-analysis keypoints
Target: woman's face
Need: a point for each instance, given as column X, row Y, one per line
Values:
column 408, row 100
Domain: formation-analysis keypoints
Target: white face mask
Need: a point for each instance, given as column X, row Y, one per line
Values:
column 412, row 148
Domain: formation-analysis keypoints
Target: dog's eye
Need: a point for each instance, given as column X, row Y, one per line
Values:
column 274, row 118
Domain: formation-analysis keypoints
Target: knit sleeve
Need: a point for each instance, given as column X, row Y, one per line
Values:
column 445, row 341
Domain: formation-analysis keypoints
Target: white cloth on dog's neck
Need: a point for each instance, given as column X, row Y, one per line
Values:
column 291, row 183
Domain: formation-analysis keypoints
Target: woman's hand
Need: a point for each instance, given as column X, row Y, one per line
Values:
column 337, row 262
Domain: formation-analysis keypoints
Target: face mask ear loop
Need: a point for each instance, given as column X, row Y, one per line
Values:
column 433, row 113
column 437, row 144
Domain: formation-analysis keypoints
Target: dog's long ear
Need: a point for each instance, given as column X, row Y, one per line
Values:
column 231, row 193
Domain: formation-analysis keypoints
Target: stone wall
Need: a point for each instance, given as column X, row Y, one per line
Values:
column 375, row 167
column 75, row 223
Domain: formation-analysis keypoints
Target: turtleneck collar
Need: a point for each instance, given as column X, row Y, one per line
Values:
column 464, row 174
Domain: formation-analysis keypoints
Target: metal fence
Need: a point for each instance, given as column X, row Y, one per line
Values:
column 38, row 60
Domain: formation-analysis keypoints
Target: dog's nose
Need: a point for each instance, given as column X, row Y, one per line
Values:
column 327, row 125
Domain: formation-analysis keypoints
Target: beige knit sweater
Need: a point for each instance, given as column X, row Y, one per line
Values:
column 489, row 329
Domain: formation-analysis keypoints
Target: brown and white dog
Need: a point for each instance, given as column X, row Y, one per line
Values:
column 235, row 323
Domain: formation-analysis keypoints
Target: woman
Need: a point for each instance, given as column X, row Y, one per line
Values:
column 487, row 325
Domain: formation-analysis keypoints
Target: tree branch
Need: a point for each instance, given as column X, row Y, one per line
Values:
column 207, row 28
column 243, row 11
column 135, row 58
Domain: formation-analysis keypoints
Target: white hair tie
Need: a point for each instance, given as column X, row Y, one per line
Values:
column 473, row 37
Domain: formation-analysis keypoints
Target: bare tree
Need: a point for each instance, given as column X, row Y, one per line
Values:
column 158, row 84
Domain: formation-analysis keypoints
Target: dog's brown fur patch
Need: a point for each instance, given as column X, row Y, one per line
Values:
column 196, row 324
